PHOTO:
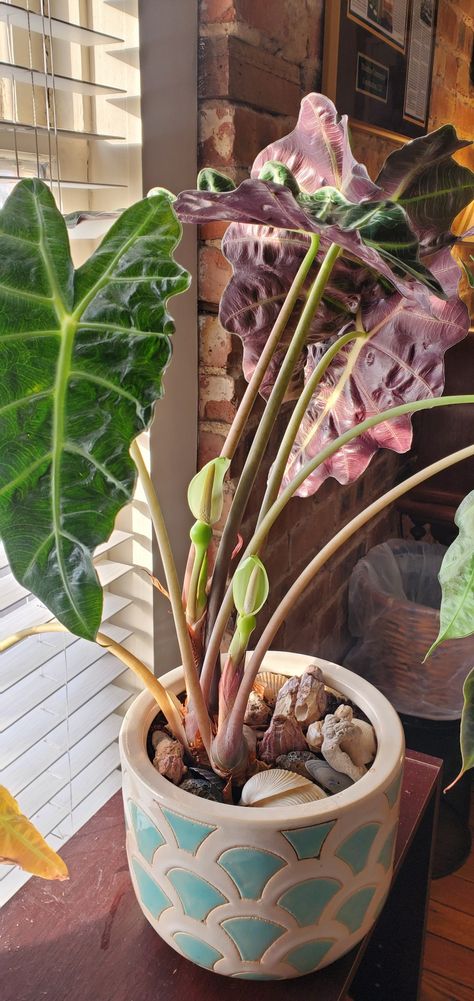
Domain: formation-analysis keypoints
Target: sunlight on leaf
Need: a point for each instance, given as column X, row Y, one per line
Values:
column 23, row 845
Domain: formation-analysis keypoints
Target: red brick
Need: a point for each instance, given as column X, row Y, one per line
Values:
column 212, row 230
column 448, row 26
column 215, row 344
column 216, row 134
column 214, row 273
column 254, row 131
column 451, row 71
column 209, row 446
column 216, row 11
column 463, row 79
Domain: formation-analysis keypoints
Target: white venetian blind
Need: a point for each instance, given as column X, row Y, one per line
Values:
column 70, row 114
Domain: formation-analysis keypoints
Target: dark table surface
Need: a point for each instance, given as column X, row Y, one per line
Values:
column 87, row 940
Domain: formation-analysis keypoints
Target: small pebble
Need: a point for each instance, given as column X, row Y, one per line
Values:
column 327, row 777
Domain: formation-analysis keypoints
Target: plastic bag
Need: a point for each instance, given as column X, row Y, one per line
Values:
column 394, row 599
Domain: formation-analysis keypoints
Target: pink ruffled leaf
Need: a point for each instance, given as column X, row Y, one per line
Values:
column 401, row 360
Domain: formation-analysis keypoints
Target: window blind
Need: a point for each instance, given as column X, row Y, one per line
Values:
column 69, row 113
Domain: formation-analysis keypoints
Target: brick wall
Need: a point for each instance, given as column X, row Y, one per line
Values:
column 257, row 60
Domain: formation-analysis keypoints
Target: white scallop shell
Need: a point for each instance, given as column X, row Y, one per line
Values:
column 278, row 787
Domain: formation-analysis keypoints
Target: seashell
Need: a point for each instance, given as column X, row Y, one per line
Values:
column 303, row 697
column 277, row 788
column 268, row 685
column 295, row 761
column 204, row 783
column 168, row 759
column 335, row 731
column 258, row 713
column 286, row 700
column 314, row 735
column 327, row 777
column 311, row 700
column 284, row 734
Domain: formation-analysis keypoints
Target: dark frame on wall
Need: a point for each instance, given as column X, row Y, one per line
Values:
column 378, row 63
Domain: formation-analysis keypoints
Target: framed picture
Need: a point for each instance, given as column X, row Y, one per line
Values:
column 378, row 63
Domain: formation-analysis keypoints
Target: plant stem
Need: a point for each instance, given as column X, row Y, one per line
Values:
column 278, row 469
column 193, row 687
column 238, row 424
column 296, row 590
column 263, row 529
column 252, row 465
column 167, row 702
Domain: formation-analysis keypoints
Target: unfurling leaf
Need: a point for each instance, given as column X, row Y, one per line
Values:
column 467, row 728
column 209, row 179
column 82, row 359
column 205, row 492
column 22, row 845
column 250, row 586
column 456, row 577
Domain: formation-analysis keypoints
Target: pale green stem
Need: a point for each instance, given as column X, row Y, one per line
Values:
column 193, row 687
column 167, row 701
column 253, row 461
column 296, row 590
column 288, row 440
column 262, row 531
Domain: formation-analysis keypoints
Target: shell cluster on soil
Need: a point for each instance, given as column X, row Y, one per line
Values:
column 305, row 742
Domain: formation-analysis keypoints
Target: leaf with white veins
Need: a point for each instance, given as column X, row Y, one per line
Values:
column 82, row 357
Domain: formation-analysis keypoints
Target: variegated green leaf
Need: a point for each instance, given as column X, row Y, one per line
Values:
column 82, row 356
column 457, row 579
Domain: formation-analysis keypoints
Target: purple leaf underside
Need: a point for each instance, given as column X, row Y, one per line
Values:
column 402, row 361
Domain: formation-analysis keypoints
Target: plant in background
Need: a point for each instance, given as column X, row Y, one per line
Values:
column 344, row 294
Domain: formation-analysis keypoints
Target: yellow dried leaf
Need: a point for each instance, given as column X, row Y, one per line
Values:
column 23, row 845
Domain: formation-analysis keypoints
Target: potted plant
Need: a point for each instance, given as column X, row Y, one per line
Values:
column 344, row 293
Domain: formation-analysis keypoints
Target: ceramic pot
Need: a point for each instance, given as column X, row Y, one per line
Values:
column 269, row 893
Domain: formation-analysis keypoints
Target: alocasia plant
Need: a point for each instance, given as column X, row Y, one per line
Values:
column 345, row 295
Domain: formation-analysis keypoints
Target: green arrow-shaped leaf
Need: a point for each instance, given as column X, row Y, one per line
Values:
column 456, row 577
column 82, row 361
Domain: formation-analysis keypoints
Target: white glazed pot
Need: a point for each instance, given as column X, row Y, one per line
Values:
column 263, row 893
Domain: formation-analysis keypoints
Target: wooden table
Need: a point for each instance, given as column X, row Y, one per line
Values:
column 87, row 940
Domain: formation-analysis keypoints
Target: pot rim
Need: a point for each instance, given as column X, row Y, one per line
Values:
column 380, row 712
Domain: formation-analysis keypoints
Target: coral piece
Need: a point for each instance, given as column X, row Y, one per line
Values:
column 360, row 744
column 335, row 731
column 204, row 783
column 168, row 758
column 295, row 761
